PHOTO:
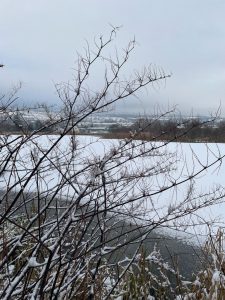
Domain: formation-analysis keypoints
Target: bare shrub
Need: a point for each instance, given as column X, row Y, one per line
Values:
column 69, row 210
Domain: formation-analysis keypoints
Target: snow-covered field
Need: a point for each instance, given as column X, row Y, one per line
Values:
column 177, row 177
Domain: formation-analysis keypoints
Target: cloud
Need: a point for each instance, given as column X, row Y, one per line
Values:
column 39, row 40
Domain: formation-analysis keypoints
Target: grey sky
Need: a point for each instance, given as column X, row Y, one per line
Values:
column 39, row 40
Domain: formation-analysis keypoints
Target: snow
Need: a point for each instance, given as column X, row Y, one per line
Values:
column 11, row 269
column 216, row 277
column 33, row 262
column 192, row 157
column 182, row 161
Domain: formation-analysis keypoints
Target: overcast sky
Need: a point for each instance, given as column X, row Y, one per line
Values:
column 39, row 40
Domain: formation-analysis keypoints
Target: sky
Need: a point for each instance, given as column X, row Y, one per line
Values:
column 39, row 41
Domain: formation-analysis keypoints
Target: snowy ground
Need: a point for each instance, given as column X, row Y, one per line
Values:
column 188, row 159
column 183, row 159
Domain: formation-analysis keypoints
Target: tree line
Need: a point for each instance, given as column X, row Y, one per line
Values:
column 184, row 130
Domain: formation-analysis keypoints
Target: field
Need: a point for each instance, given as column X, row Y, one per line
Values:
column 175, row 177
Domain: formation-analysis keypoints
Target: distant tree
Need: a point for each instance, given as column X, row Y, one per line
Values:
column 18, row 120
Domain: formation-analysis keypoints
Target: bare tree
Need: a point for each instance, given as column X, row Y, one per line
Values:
column 71, row 207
